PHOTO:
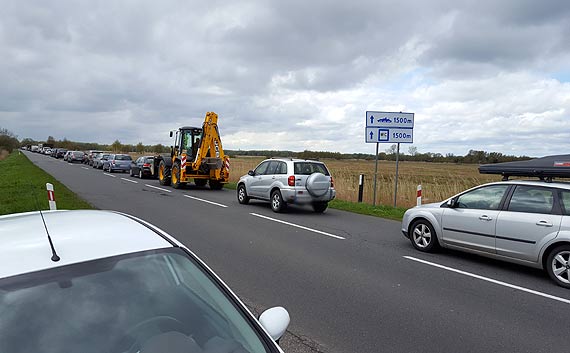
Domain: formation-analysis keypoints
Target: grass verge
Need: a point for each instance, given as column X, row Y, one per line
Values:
column 23, row 188
column 395, row 213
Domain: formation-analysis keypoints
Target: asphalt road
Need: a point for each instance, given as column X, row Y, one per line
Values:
column 355, row 285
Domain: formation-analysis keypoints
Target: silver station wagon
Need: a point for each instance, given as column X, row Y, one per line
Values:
column 526, row 222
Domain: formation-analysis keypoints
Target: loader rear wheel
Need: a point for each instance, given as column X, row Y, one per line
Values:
column 163, row 178
column 200, row 182
column 216, row 185
column 176, row 183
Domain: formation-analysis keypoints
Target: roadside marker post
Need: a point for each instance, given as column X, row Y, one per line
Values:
column 419, row 195
column 360, row 187
column 51, row 197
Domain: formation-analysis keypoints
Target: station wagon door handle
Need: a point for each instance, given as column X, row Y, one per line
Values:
column 544, row 224
column 485, row 218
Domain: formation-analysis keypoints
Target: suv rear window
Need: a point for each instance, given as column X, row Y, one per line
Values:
column 308, row 168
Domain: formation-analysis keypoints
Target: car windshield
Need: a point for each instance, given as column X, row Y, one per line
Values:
column 77, row 154
column 130, row 303
column 308, row 168
column 120, row 157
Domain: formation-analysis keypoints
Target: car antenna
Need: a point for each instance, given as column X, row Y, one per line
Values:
column 54, row 256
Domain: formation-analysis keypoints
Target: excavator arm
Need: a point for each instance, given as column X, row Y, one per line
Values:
column 210, row 152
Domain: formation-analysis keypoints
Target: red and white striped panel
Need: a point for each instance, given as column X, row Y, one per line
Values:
column 227, row 163
column 183, row 164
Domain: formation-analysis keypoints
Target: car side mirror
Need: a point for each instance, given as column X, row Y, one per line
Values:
column 275, row 321
column 251, row 173
column 170, row 133
column 452, row 203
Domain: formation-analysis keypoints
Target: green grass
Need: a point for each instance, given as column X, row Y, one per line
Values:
column 389, row 212
column 23, row 188
column 395, row 213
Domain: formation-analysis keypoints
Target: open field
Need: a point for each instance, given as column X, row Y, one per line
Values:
column 438, row 180
column 23, row 187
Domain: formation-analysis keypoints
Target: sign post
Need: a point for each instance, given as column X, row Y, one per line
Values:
column 388, row 127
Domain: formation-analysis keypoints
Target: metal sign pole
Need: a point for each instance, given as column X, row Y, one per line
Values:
column 396, row 186
column 375, row 176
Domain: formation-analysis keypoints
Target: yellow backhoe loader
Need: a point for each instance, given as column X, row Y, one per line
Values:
column 195, row 155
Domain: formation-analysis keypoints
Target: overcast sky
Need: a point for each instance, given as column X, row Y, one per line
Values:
column 295, row 75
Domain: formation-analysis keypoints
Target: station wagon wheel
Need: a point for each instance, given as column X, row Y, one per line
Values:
column 558, row 265
column 277, row 203
column 423, row 236
column 140, row 174
column 242, row 195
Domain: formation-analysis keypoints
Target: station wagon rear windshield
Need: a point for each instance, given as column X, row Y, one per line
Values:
column 123, row 158
column 308, row 168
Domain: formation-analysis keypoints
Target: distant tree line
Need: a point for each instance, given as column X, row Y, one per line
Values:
column 9, row 141
column 473, row 156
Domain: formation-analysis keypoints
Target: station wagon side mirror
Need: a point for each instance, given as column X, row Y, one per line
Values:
column 251, row 173
column 452, row 203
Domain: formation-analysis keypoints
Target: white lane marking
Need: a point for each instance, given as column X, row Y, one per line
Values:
column 130, row 181
column 154, row 187
column 531, row 291
column 211, row 202
column 298, row 226
column 111, row 175
column 85, row 168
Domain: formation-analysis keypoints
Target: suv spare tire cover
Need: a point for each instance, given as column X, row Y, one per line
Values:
column 318, row 184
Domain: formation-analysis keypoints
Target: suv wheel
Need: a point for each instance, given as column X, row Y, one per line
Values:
column 277, row 203
column 320, row 207
column 423, row 236
column 558, row 265
column 242, row 195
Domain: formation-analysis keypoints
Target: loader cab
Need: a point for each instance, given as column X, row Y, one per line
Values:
column 186, row 139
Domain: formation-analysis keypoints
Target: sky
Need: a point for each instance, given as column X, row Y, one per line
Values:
column 290, row 75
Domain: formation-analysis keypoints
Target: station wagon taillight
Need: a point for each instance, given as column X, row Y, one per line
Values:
column 291, row 180
column 332, row 182
column 146, row 165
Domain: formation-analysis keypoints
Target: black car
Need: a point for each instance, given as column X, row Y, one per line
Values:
column 142, row 167
column 61, row 152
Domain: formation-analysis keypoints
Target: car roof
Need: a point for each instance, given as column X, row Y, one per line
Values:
column 77, row 236
column 287, row 159
column 554, row 184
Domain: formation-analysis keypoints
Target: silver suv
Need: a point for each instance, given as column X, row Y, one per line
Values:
column 526, row 222
column 287, row 180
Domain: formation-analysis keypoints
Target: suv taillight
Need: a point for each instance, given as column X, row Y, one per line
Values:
column 332, row 182
column 291, row 180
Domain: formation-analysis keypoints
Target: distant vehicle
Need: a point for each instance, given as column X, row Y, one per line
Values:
column 285, row 181
column 61, row 152
column 66, row 155
column 75, row 156
column 89, row 155
column 123, row 286
column 118, row 162
column 143, row 167
column 525, row 222
column 99, row 159
column 35, row 148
